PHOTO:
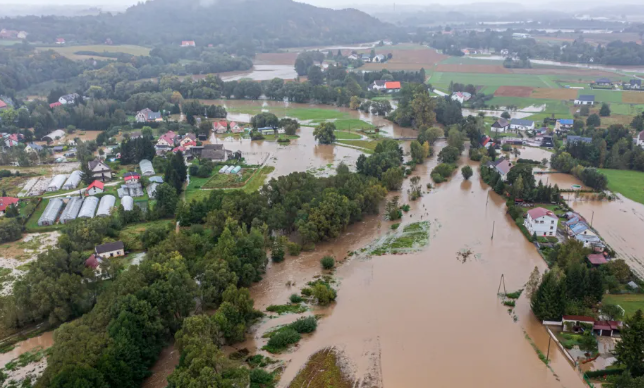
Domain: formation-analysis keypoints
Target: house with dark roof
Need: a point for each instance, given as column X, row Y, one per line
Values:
column 378, row 85
column 147, row 115
column 603, row 82
column 502, row 166
column 500, row 125
column 521, row 125
column 365, row 58
column 100, row 170
column 585, row 99
column 68, row 98
column 112, row 249
column 634, row 84
column 577, row 139
column 214, row 152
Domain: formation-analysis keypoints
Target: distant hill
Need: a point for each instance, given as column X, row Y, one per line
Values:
column 266, row 23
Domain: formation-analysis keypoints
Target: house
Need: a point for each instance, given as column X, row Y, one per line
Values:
column 214, row 152
column 220, row 126
column 541, row 222
column 100, row 170
column 576, row 323
column 500, row 125
column 354, row 57
column 541, row 131
column 68, row 98
column 58, row 148
column 60, row 40
column 365, row 58
column 392, row 86
column 166, row 142
column 147, row 115
column 596, row 259
column 521, row 125
column 132, row 177
column 96, row 187
column 635, row 84
column 461, row 96
column 5, row 202
column 565, row 123
column 33, row 147
column 188, row 43
column 585, row 99
column 518, row 35
column 547, row 142
column 639, row 140
column 591, row 241
column 378, row 85
column 112, row 249
column 11, row 140
column 607, row 328
column 93, row 261
column 55, row 104
column 577, row 226
column 603, row 82
column 202, row 137
column 109, row 41
column 235, row 128
column 3, row 105
column 502, row 166
column 380, row 58
column 188, row 140
column 577, row 139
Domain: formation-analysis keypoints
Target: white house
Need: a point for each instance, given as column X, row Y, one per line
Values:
column 96, row 187
column 500, row 125
column 461, row 97
column 639, row 140
column 100, row 170
column 521, row 125
column 68, row 98
column 354, row 57
column 585, row 99
column 378, row 85
column 113, row 249
column 147, row 115
column 541, row 222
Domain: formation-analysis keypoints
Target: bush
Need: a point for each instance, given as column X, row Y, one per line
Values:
column 294, row 249
column 405, row 208
column 327, row 262
column 260, row 378
column 323, row 293
column 395, row 226
column 307, row 291
column 304, row 325
column 506, row 147
column 282, row 339
column 295, row 298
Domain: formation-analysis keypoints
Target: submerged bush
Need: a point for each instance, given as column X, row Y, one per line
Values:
column 304, row 325
column 327, row 262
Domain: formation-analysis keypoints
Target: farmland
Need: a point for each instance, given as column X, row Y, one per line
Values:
column 444, row 79
column 513, row 91
column 70, row 51
column 406, row 57
column 554, row 94
column 629, row 183
column 486, row 69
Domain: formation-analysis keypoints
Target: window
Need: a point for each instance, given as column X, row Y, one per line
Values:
column 551, row 233
column 551, row 228
column 552, row 222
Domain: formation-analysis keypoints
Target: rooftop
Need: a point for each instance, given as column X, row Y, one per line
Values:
column 110, row 247
column 539, row 212
column 597, row 259
column 580, row 318
column 586, row 97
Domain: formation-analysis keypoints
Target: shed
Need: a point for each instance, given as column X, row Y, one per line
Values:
column 73, row 180
column 128, row 203
column 51, row 212
column 596, row 259
column 235, row 170
column 156, row 179
column 57, row 182
column 71, row 210
column 152, row 190
column 146, row 167
column 89, row 207
column 106, row 204
column 223, row 169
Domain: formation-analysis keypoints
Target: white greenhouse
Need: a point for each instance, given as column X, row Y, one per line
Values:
column 57, row 182
column 89, row 208
column 73, row 180
column 128, row 203
column 71, row 210
column 223, row 169
column 51, row 212
column 105, row 206
column 146, row 167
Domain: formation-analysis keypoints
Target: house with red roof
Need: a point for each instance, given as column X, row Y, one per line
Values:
column 166, row 142
column 596, row 259
column 235, row 128
column 542, row 222
column 188, row 43
column 188, row 140
column 132, row 177
column 5, row 202
column 93, row 261
column 55, row 104
column 96, row 187
column 392, row 86
column 220, row 126
column 60, row 40
column 3, row 105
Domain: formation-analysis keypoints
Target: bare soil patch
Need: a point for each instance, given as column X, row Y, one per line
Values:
column 633, row 97
column 486, row 69
column 554, row 94
column 275, row 59
column 513, row 91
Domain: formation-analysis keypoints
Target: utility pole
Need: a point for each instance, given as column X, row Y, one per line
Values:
column 502, row 281
column 493, row 223
column 591, row 219
column 548, row 354
column 488, row 198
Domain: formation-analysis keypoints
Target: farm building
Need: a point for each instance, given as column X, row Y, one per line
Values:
column 146, row 167
column 89, row 207
column 130, row 190
column 521, row 125
column 51, row 212
column 585, row 99
column 128, row 203
column 73, row 180
column 105, row 206
column 152, row 190
column 500, row 125
column 71, row 210
column 55, row 135
column 112, row 249
column 57, row 182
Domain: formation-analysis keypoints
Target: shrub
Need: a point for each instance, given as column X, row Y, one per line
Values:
column 295, row 298
column 294, row 249
column 307, row 291
column 506, row 147
column 395, row 226
column 327, row 262
column 304, row 325
column 405, row 208
column 509, row 303
column 308, row 247
column 323, row 293
column 260, row 378
column 282, row 339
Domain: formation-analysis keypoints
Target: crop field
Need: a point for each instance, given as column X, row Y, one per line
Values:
column 513, row 91
column 633, row 97
column 554, row 94
column 470, row 61
column 275, row 58
column 603, row 95
column 70, row 51
column 591, row 74
column 442, row 79
column 485, row 69
column 409, row 57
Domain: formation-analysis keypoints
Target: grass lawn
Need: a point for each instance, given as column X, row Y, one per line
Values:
column 442, row 79
column 367, row 144
column 342, row 135
column 13, row 184
column 603, row 95
column 281, row 136
column 351, row 124
column 471, row 61
column 322, row 370
column 629, row 302
column 625, row 109
column 626, row 182
column 70, row 51
column 258, row 179
column 141, row 227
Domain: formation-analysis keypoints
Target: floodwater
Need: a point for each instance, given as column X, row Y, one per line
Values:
column 44, row 341
column 262, row 73
column 570, row 64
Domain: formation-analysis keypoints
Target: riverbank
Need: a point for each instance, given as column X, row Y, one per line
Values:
column 628, row 183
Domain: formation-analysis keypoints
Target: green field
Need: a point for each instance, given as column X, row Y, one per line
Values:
column 629, row 302
column 351, row 124
column 442, row 79
column 471, row 61
column 9, row 42
column 341, row 135
column 626, row 182
column 70, row 51
column 603, row 95
column 626, row 109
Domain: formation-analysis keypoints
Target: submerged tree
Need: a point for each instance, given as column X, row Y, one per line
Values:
column 324, row 133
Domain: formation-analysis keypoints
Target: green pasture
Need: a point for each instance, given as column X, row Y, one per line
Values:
column 603, row 95
column 470, row 61
column 629, row 183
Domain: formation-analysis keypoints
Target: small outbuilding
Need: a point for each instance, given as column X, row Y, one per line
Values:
column 96, row 187
column 51, row 213
column 128, row 203
column 55, row 135
column 146, row 167
column 105, row 206
column 112, row 249
column 152, row 190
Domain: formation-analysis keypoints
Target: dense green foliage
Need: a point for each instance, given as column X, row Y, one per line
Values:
column 324, row 133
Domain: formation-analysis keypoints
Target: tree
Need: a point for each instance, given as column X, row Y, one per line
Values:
column 467, row 172
column 630, row 349
column 499, row 187
column 190, row 118
column 393, row 178
column 449, row 154
column 415, row 189
column 423, row 107
column 584, row 110
column 392, row 209
column 167, row 200
column 548, row 301
column 604, row 111
column 506, row 115
column 324, row 133
column 455, row 139
column 315, row 75
column 265, row 119
column 10, row 230
column 355, row 102
column 612, row 312
column 593, row 120
column 418, row 153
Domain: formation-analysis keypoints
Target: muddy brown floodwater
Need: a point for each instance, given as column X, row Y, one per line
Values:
column 44, row 340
